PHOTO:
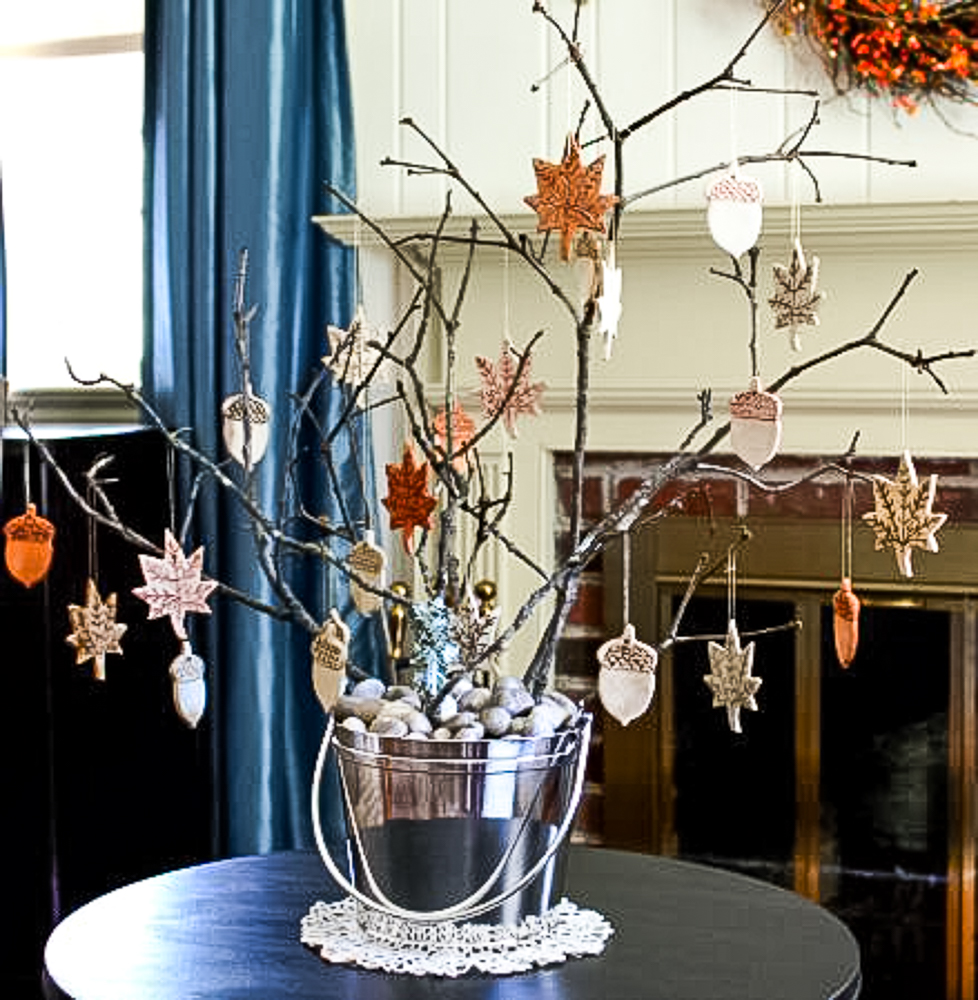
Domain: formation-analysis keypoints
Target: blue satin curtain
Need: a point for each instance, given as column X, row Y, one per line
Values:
column 247, row 114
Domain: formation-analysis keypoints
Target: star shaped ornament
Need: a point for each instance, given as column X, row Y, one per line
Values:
column 569, row 196
column 351, row 358
column 609, row 305
column 433, row 643
column 95, row 632
column 903, row 518
column 408, row 500
column 730, row 677
column 173, row 584
column 795, row 299
column 503, row 393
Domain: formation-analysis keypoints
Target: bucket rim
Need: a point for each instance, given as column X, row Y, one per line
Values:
column 521, row 751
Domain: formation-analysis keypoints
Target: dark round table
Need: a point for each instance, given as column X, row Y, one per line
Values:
column 230, row 930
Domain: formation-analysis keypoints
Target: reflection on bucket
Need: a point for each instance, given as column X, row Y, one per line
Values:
column 436, row 824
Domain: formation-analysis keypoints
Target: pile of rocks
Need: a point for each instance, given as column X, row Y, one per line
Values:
column 462, row 712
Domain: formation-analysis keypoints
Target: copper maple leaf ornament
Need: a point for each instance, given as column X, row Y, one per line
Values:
column 795, row 300
column 408, row 500
column 903, row 518
column 502, row 392
column 463, row 430
column 95, row 632
column 173, row 584
column 569, row 196
column 730, row 677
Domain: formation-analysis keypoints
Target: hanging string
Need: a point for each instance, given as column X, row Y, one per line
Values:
column 733, row 129
column 27, row 473
column 171, row 490
column 904, row 406
column 90, row 537
column 847, row 499
column 794, row 195
column 626, row 576
column 731, row 583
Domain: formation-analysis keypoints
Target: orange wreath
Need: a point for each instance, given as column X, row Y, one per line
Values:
column 908, row 50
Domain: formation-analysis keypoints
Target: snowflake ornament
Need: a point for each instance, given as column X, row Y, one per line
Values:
column 730, row 677
column 903, row 518
column 498, row 393
column 569, row 196
column 473, row 629
column 433, row 642
column 173, row 584
column 408, row 500
column 609, row 305
column 95, row 632
column 795, row 299
column 351, row 358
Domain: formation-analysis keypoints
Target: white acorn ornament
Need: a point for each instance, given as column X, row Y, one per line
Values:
column 329, row 653
column 626, row 681
column 755, row 424
column 368, row 561
column 734, row 213
column 233, row 411
column 189, row 687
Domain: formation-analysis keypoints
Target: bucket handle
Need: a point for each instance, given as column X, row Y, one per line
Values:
column 470, row 906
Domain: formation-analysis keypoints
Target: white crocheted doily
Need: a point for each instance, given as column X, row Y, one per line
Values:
column 348, row 933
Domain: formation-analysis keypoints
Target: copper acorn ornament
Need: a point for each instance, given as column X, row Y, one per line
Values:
column 408, row 501
column 845, row 622
column 329, row 653
column 368, row 561
column 626, row 681
column 189, row 686
column 30, row 546
column 755, row 424
column 233, row 411
column 734, row 213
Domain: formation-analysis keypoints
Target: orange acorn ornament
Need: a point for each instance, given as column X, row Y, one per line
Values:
column 845, row 622
column 30, row 546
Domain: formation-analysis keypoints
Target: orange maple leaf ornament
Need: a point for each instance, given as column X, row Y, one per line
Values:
column 408, row 500
column 569, row 196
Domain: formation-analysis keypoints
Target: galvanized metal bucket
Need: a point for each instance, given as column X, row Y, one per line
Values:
column 455, row 829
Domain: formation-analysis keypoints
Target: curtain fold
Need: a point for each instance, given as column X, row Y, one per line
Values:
column 247, row 114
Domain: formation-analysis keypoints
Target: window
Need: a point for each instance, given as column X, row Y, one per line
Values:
column 71, row 106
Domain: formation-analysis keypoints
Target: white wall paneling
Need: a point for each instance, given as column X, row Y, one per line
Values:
column 464, row 69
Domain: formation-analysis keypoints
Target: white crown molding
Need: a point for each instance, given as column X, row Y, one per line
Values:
column 920, row 227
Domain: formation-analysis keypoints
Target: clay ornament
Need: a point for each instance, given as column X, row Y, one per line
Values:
column 730, row 677
column 94, row 630
column 755, row 425
column 626, row 681
column 734, row 213
column 795, row 300
column 189, row 686
column 903, row 518
column 368, row 561
column 329, row 654
column 845, row 622
column 233, row 426
column 30, row 546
